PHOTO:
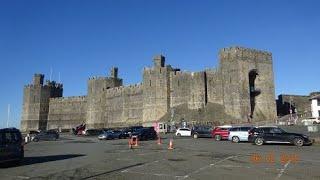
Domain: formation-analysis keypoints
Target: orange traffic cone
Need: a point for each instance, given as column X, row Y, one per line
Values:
column 136, row 141
column 159, row 140
column 170, row 144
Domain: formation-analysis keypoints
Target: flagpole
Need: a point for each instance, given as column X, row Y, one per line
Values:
column 8, row 115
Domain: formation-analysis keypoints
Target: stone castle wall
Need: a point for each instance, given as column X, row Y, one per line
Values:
column 66, row 112
column 116, row 106
column 240, row 89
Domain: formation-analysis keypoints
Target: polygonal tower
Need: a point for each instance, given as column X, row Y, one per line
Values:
column 156, row 90
column 248, row 84
column 36, row 102
column 96, row 97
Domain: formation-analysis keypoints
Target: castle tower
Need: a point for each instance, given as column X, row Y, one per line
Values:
column 96, row 97
column 114, row 72
column 248, row 84
column 36, row 103
column 156, row 90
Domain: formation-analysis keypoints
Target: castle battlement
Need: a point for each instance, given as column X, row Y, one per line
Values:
column 245, row 53
column 187, row 73
column 70, row 98
column 48, row 84
column 100, row 78
column 150, row 69
column 131, row 89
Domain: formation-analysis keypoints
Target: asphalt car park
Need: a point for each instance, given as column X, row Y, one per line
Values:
column 73, row 157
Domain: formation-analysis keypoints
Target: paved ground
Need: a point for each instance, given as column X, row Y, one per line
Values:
column 87, row 158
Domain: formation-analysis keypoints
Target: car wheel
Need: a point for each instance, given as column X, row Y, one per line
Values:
column 235, row 139
column 195, row 136
column 35, row 139
column 217, row 137
column 179, row 134
column 298, row 142
column 314, row 122
column 258, row 141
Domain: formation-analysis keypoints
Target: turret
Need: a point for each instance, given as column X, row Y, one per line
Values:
column 159, row 61
column 114, row 72
column 38, row 79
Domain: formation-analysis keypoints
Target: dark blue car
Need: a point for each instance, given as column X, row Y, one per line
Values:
column 11, row 145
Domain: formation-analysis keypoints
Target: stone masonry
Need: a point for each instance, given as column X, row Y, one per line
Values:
column 239, row 90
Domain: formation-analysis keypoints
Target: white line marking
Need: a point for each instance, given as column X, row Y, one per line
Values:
column 18, row 177
column 282, row 170
column 155, row 174
column 206, row 167
column 23, row 177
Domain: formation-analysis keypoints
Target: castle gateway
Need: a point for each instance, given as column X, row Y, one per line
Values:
column 241, row 89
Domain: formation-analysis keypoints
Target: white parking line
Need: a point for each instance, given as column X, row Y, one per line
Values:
column 155, row 174
column 18, row 177
column 206, row 167
column 282, row 170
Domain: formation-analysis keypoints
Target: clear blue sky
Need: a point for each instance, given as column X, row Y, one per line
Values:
column 80, row 39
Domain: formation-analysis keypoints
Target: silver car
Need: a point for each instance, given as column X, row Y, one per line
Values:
column 237, row 134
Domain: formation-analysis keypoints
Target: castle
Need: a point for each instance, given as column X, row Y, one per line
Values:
column 239, row 90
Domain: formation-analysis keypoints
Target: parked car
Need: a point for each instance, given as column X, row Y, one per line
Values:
column 220, row 132
column 93, row 132
column 133, row 129
column 310, row 121
column 125, row 133
column 147, row 133
column 111, row 134
column 46, row 136
column 33, row 133
column 237, row 134
column 11, row 145
column 264, row 135
column 201, row 131
column 183, row 132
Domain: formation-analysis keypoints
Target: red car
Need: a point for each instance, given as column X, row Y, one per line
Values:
column 220, row 132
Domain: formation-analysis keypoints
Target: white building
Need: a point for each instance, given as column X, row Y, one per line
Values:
column 315, row 106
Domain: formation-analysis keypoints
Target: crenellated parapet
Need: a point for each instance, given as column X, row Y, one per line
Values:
column 68, row 99
column 241, row 53
column 124, row 90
